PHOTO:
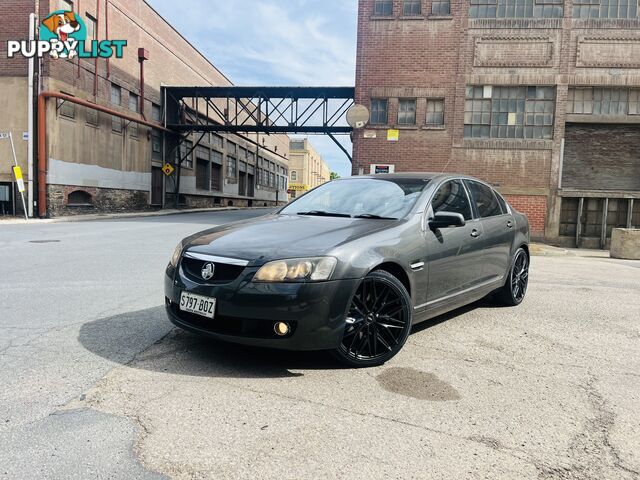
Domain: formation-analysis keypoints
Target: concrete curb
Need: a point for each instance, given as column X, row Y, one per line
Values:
column 116, row 216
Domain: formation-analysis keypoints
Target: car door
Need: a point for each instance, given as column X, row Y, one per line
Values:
column 453, row 255
column 498, row 230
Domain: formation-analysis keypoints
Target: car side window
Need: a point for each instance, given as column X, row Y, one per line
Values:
column 452, row 197
column 503, row 203
column 485, row 199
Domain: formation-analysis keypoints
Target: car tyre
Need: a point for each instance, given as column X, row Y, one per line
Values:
column 515, row 287
column 378, row 322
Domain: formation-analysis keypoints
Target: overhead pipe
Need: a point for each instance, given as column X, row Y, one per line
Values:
column 42, row 137
column 106, row 33
column 97, row 34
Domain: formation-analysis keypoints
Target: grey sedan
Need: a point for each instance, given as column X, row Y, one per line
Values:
column 352, row 265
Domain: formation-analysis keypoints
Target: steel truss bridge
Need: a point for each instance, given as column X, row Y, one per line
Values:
column 266, row 110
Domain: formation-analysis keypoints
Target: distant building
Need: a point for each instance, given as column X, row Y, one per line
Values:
column 97, row 162
column 540, row 98
column 307, row 169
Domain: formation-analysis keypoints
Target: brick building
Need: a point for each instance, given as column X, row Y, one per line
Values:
column 97, row 162
column 539, row 97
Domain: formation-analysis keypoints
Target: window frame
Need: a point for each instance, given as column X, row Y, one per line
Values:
column 413, row 12
column 415, row 111
column 468, row 182
column 430, row 212
column 435, row 125
column 385, row 10
column 375, row 102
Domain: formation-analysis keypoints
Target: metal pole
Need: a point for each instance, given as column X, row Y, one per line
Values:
column 630, row 214
column 15, row 162
column 32, row 60
column 603, row 233
column 579, row 222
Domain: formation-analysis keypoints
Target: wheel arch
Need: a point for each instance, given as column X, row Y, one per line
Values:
column 397, row 271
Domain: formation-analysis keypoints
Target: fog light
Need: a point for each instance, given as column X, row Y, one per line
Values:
column 281, row 328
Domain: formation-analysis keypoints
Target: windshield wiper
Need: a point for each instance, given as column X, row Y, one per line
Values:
column 374, row 217
column 321, row 213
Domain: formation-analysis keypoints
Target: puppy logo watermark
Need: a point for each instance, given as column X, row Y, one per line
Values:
column 63, row 34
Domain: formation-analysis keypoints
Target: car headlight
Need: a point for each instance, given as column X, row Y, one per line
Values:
column 297, row 270
column 175, row 258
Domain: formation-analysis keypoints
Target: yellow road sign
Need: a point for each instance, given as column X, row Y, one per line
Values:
column 168, row 169
column 17, row 172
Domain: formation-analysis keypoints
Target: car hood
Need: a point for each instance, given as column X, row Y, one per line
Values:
column 283, row 236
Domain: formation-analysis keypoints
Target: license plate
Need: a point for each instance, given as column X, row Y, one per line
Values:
column 204, row 306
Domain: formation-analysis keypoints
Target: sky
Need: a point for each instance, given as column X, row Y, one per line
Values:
column 275, row 42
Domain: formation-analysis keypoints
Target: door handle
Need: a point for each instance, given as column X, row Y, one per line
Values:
column 475, row 233
column 510, row 224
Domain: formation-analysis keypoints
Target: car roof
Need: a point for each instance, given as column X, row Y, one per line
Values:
column 431, row 176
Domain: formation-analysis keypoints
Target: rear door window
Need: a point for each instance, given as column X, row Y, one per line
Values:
column 486, row 201
column 452, row 198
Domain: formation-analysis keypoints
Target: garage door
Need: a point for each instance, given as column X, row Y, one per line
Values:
column 602, row 157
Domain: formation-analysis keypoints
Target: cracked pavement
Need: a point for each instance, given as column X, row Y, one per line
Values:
column 97, row 384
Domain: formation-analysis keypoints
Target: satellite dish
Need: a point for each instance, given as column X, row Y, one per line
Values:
column 358, row 116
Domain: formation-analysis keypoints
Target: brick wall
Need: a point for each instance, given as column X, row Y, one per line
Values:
column 535, row 207
column 435, row 57
column 590, row 162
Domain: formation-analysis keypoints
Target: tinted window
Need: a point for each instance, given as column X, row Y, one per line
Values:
column 503, row 203
column 452, row 197
column 485, row 200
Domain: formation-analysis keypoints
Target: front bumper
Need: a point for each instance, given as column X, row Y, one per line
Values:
column 246, row 312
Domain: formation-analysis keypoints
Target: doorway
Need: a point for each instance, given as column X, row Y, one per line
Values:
column 157, row 181
column 6, row 199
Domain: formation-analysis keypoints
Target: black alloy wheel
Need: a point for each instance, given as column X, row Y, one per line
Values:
column 378, row 322
column 515, row 288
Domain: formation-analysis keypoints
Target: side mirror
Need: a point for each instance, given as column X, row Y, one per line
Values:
column 446, row 220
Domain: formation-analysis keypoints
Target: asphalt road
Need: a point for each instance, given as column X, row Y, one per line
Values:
column 95, row 383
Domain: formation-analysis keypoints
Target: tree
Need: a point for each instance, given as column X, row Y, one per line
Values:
column 334, row 176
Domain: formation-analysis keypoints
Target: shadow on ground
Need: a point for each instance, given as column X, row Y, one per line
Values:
column 146, row 340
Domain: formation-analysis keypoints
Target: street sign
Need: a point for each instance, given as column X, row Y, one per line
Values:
column 4, row 135
column 17, row 172
column 168, row 169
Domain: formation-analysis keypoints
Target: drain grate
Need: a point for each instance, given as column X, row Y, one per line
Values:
column 44, row 241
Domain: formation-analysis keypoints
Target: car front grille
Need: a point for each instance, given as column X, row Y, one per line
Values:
column 224, row 272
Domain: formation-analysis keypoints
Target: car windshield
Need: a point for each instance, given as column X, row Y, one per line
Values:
column 361, row 198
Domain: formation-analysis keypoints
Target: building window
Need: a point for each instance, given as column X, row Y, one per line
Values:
column 156, row 113
column 379, row 109
column 186, row 148
column 231, row 148
column 516, row 9
column 509, row 112
column 203, row 171
column 232, row 167
column 216, row 141
column 605, row 9
column 134, row 106
column 383, row 8
column 294, row 176
column 603, row 101
column 65, row 5
column 407, row 111
column 79, row 198
column 116, row 99
column 67, row 109
column 92, row 117
column 441, row 7
column 435, row 112
column 412, row 7
column 92, row 27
